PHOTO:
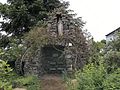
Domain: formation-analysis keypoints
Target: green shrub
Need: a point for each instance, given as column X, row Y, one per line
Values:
column 91, row 77
column 112, row 81
column 112, row 59
column 5, row 76
column 9, row 80
column 96, row 77
column 70, row 80
column 29, row 82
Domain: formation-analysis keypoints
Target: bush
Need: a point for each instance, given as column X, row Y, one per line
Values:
column 5, row 76
column 95, row 77
column 8, row 79
column 29, row 82
column 112, row 81
column 112, row 59
column 91, row 77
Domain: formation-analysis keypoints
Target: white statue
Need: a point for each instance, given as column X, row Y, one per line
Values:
column 60, row 24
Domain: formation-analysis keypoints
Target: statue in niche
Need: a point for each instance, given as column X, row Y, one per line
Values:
column 59, row 24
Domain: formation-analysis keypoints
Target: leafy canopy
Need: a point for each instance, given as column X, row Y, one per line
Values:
column 20, row 15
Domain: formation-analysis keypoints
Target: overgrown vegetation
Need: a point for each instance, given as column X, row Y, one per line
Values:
column 112, row 54
column 95, row 77
column 102, row 71
column 29, row 82
column 9, row 80
column 6, row 76
column 22, row 15
column 26, row 18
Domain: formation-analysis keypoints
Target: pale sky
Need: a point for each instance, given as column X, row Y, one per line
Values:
column 102, row 16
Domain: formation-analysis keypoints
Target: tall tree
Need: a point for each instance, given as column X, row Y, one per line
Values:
column 20, row 15
column 23, row 14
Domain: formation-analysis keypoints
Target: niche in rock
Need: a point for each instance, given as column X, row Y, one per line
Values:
column 53, row 60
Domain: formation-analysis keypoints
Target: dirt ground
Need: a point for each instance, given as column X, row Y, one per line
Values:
column 52, row 82
column 19, row 89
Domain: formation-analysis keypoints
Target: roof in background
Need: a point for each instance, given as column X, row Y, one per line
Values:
column 113, row 31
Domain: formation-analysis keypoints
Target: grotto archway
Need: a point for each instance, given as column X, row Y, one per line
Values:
column 53, row 60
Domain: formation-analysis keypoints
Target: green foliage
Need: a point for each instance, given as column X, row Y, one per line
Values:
column 91, row 77
column 112, row 81
column 5, row 76
column 112, row 56
column 71, row 84
column 29, row 82
column 23, row 14
column 4, row 40
column 36, row 38
column 112, row 59
column 96, row 51
column 68, row 80
column 96, row 77
column 13, row 50
column 116, row 43
column 100, row 73
column 8, row 79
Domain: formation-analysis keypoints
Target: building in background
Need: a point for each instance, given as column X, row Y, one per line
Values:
column 112, row 35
